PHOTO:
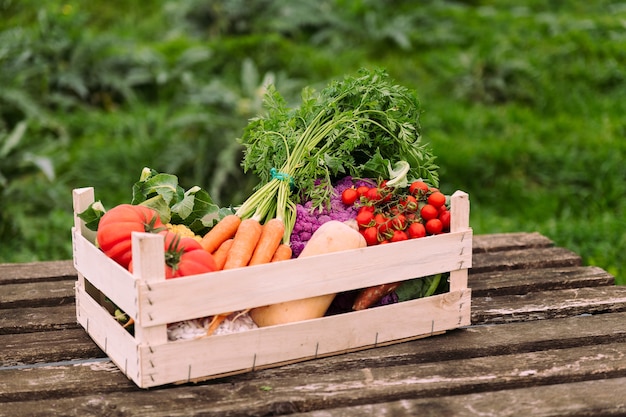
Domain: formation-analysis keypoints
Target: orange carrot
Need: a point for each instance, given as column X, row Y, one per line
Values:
column 221, row 253
column 223, row 230
column 283, row 252
column 244, row 242
column 272, row 234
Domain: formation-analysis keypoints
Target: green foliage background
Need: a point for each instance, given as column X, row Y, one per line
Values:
column 524, row 103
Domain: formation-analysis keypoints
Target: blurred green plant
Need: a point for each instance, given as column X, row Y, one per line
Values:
column 523, row 103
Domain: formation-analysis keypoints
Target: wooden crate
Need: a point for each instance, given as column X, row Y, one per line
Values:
column 149, row 359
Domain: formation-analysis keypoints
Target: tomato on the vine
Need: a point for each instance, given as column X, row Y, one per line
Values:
column 445, row 217
column 398, row 222
column 365, row 218
column 116, row 226
column 362, row 190
column 436, row 199
column 418, row 188
column 434, row 226
column 371, row 235
column 349, row 196
column 398, row 236
column 429, row 212
column 373, row 194
column 416, row 230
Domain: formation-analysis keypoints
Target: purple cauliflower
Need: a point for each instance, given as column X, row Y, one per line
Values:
column 308, row 220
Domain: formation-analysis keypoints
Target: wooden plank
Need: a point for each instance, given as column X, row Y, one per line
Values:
column 522, row 281
column 458, row 344
column 51, row 346
column 499, row 242
column 37, row 294
column 25, row 320
column 533, row 258
column 579, row 399
column 69, row 386
column 549, row 304
column 37, row 271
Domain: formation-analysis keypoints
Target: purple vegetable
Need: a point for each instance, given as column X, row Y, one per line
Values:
column 308, row 220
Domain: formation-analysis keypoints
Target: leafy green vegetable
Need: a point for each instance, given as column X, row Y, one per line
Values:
column 422, row 287
column 193, row 208
column 359, row 126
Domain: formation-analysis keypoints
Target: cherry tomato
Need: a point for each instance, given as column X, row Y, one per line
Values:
column 409, row 203
column 349, row 196
column 418, row 188
column 365, row 218
column 434, row 226
column 429, row 212
column 382, row 222
column 398, row 236
column 445, row 220
column 416, row 230
column 436, row 199
column 373, row 194
column 398, row 222
column 371, row 236
column 362, row 190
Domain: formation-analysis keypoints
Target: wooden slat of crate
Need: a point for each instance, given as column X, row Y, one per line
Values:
column 225, row 291
column 255, row 349
column 112, row 279
column 217, row 355
column 108, row 334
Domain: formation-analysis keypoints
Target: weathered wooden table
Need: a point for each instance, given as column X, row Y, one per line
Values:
column 548, row 337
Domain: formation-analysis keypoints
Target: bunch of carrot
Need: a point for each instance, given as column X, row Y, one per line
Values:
column 236, row 242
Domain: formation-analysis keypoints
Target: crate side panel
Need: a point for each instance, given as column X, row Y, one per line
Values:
column 104, row 274
column 202, row 358
column 109, row 335
column 238, row 289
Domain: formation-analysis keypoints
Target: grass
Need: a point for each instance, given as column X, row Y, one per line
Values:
column 523, row 103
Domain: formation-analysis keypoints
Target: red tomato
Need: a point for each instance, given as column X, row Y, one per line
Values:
column 365, row 218
column 349, row 196
column 429, row 212
column 116, row 226
column 382, row 222
column 398, row 236
column 371, row 236
column 445, row 216
column 436, row 199
column 373, row 194
column 185, row 256
column 409, row 203
column 398, row 222
column 434, row 226
column 362, row 190
column 418, row 188
column 416, row 230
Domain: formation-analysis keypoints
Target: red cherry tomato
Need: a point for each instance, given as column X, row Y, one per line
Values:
column 434, row 227
column 349, row 196
column 429, row 212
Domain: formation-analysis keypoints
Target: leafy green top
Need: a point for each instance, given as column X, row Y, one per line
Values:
column 359, row 126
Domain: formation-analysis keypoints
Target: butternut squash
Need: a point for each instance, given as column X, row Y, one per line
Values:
column 332, row 236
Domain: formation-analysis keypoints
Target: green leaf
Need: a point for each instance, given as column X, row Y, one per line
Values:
column 164, row 185
column 92, row 215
